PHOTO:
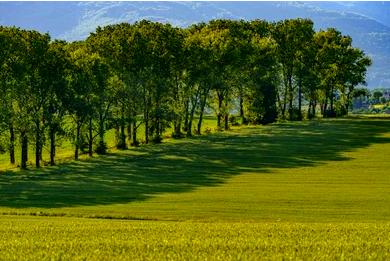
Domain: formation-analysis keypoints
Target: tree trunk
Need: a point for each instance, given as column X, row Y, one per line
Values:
column 52, row 146
column 285, row 100
column 290, row 98
column 129, row 132
column 12, row 143
column 135, row 142
column 226, row 115
column 219, row 115
column 122, row 136
column 226, row 121
column 102, row 145
column 191, row 116
column 158, row 120
column 202, row 106
column 90, row 138
column 77, row 143
column 38, row 155
column 187, row 105
column 331, row 100
column 117, row 134
column 177, row 127
column 314, row 108
column 189, row 127
column 325, row 106
column 24, row 143
column 300, row 99
column 347, row 103
column 242, row 109
column 146, row 118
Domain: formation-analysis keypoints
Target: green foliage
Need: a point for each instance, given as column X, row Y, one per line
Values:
column 159, row 76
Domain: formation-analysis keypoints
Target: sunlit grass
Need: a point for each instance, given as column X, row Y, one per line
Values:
column 80, row 239
column 315, row 190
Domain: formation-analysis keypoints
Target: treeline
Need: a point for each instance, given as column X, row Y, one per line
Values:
column 158, row 75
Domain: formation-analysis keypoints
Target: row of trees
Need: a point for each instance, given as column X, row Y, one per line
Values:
column 157, row 75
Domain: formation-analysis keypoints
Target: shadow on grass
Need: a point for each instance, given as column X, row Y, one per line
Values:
column 184, row 165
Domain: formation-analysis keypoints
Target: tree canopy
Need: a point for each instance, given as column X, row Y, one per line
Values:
column 158, row 76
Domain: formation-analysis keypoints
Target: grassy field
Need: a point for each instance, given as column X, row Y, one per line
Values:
column 313, row 190
column 78, row 239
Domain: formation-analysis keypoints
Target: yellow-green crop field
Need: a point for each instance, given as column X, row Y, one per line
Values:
column 317, row 190
column 87, row 239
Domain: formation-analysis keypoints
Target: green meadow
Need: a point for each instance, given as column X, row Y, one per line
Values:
column 314, row 190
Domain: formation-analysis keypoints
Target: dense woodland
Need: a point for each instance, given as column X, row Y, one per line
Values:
column 157, row 75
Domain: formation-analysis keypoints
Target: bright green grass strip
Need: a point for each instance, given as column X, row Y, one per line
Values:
column 83, row 239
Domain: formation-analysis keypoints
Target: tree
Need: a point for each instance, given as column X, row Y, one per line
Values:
column 57, row 68
column 11, row 74
column 341, row 68
column 80, row 91
column 292, row 38
column 377, row 95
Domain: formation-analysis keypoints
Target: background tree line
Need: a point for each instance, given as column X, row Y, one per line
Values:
column 154, row 74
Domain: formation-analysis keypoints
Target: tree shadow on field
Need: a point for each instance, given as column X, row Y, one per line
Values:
column 181, row 166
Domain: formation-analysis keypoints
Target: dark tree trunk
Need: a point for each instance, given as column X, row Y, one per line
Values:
column 284, row 106
column 177, row 118
column 199, row 131
column 226, row 121
column 325, row 106
column 129, row 132
column 12, row 144
column 122, row 135
column 177, row 127
column 189, row 127
column 309, row 115
column 135, row 142
column 290, row 98
column 347, row 103
column 187, row 105
column 311, row 112
column 242, row 109
column 158, row 121
column 314, row 108
column 219, row 115
column 77, row 143
column 52, row 146
column 285, row 100
column 90, row 138
column 146, row 118
column 191, row 116
column 38, row 145
column 331, row 100
column 146, row 115
column 226, row 115
column 24, row 143
column 102, row 148
column 202, row 106
column 117, row 134
column 300, row 99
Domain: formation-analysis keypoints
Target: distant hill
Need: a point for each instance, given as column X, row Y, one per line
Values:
column 367, row 22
